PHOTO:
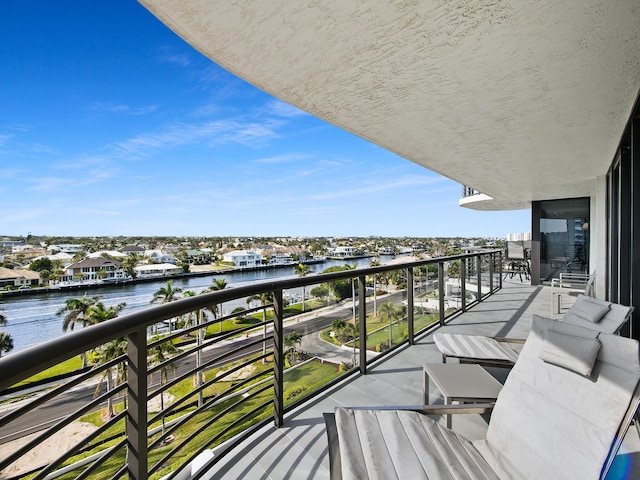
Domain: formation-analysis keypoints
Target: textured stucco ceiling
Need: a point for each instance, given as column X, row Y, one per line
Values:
column 519, row 100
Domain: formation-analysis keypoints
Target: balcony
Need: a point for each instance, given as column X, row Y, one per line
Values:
column 257, row 427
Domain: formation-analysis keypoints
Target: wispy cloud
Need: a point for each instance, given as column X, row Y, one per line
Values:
column 92, row 211
column 4, row 139
column 126, row 109
column 169, row 55
column 214, row 132
column 281, row 109
column 387, row 184
column 284, row 158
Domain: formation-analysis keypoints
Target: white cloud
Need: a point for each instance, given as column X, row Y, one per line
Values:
column 284, row 158
column 281, row 109
column 384, row 185
column 127, row 109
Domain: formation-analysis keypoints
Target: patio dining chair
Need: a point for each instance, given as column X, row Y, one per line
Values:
column 562, row 413
column 588, row 312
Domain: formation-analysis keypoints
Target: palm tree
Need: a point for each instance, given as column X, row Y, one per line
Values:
column 291, row 340
column 301, row 270
column 6, row 343
column 117, row 347
column 158, row 356
column 389, row 312
column 353, row 288
column 3, row 320
column 166, row 294
column 77, row 310
column 374, row 263
column 199, row 339
column 338, row 324
column 218, row 284
column 265, row 298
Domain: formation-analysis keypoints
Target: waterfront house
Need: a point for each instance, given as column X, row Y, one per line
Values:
column 89, row 268
column 243, row 258
column 16, row 278
column 156, row 270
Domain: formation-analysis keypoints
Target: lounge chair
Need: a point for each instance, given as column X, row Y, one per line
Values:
column 589, row 312
column 562, row 414
column 570, row 284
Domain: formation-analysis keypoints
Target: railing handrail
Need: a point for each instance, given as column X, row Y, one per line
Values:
column 22, row 365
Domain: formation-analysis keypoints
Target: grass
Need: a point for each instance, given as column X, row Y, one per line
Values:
column 298, row 382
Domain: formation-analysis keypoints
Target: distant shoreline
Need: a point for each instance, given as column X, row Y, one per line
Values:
column 161, row 278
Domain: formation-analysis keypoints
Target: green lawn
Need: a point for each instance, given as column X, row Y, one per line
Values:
column 298, row 382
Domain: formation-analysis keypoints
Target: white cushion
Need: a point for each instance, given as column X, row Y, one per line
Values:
column 590, row 309
column 577, row 354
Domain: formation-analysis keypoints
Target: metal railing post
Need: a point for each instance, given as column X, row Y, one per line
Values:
column 463, row 283
column 441, row 292
column 479, row 268
column 491, row 273
column 278, row 358
column 500, row 265
column 362, row 323
column 410, row 307
column 136, row 424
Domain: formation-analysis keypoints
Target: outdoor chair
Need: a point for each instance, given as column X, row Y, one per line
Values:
column 562, row 413
column 570, row 284
column 588, row 312
column 518, row 261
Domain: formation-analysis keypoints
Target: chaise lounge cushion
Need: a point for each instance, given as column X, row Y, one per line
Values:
column 475, row 346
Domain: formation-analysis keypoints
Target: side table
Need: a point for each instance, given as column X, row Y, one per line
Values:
column 461, row 382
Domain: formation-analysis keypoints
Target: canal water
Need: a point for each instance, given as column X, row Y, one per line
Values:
column 32, row 319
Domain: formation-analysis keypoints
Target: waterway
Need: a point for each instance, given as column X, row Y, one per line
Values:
column 32, row 319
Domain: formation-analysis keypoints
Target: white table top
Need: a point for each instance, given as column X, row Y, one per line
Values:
column 456, row 380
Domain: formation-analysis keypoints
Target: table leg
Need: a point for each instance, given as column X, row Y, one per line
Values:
column 425, row 387
column 448, row 415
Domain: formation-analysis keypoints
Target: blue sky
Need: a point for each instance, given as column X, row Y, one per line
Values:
column 110, row 124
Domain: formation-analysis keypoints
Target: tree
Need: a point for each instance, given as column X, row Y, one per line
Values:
column 265, row 298
column 291, row 340
column 158, row 356
column 321, row 291
column 76, row 310
column 117, row 347
column 6, row 343
column 389, row 312
column 129, row 264
column 340, row 288
column 301, row 270
column 217, row 285
column 375, row 263
column 166, row 294
column 41, row 264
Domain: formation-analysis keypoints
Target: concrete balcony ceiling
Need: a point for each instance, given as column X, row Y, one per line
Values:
column 520, row 100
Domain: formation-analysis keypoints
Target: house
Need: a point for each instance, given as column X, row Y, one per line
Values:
column 243, row 258
column 160, row 256
column 17, row 278
column 132, row 250
column 91, row 268
column 156, row 270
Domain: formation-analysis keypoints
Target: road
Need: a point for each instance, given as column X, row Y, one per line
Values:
column 308, row 325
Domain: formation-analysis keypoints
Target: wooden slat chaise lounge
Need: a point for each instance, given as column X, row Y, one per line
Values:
column 587, row 311
column 562, row 414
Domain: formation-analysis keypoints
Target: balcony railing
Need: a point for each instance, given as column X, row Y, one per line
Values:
column 468, row 191
column 161, row 399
